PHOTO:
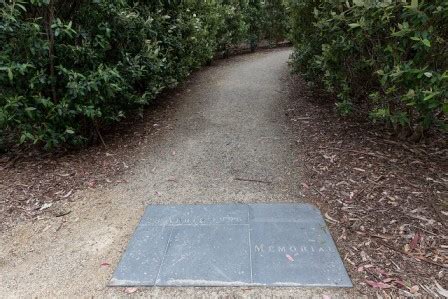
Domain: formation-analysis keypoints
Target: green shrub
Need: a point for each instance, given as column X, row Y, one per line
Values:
column 388, row 55
column 68, row 68
column 277, row 19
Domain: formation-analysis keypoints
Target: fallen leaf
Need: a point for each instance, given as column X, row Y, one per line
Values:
column 68, row 194
column 378, row 284
column 330, row 219
column 415, row 241
column 441, row 290
column 105, row 264
column 414, row 289
column 63, row 174
column 45, row 206
column 364, row 256
column 399, row 283
column 406, row 248
column 130, row 290
column 364, row 267
column 290, row 258
column 379, row 271
column 91, row 183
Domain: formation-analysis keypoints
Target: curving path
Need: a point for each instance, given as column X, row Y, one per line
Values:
column 227, row 140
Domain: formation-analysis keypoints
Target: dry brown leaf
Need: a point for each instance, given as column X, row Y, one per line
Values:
column 130, row 290
column 330, row 219
column 414, row 289
column 378, row 284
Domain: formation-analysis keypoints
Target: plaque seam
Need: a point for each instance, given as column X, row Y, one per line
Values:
column 250, row 248
column 164, row 255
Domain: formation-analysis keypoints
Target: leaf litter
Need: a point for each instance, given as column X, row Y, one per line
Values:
column 385, row 200
column 34, row 183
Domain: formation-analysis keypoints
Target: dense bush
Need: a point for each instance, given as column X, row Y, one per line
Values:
column 388, row 55
column 68, row 68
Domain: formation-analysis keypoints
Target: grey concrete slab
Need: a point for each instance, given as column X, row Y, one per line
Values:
column 215, row 255
column 141, row 262
column 231, row 245
column 285, row 212
column 295, row 254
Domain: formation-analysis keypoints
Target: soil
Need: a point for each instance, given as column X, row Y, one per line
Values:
column 66, row 217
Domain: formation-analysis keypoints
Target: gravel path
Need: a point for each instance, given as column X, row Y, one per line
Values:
column 226, row 140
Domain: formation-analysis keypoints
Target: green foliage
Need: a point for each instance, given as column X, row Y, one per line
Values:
column 68, row 68
column 277, row 20
column 253, row 13
column 388, row 55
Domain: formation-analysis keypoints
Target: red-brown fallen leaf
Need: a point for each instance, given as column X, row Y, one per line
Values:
column 290, row 258
column 105, row 264
column 305, row 186
column 379, row 271
column 378, row 284
column 364, row 267
column 415, row 241
column 394, row 281
column 130, row 290
column 91, row 184
column 399, row 283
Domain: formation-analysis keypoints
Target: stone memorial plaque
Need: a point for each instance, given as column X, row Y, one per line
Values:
column 231, row 245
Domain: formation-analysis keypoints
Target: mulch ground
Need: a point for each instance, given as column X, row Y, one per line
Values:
column 385, row 200
column 33, row 182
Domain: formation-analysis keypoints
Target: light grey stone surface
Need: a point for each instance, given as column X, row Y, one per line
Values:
column 289, row 254
column 231, row 245
column 195, row 214
column 207, row 255
column 139, row 265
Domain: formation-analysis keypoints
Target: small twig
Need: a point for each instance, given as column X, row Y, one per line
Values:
column 361, row 192
column 314, row 188
column 437, row 212
column 408, row 254
column 321, row 194
column 99, row 135
column 406, row 181
column 427, row 231
column 252, row 180
column 302, row 118
column 11, row 162
column 60, row 226
column 62, row 214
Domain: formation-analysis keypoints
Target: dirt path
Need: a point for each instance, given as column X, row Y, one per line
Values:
column 228, row 142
